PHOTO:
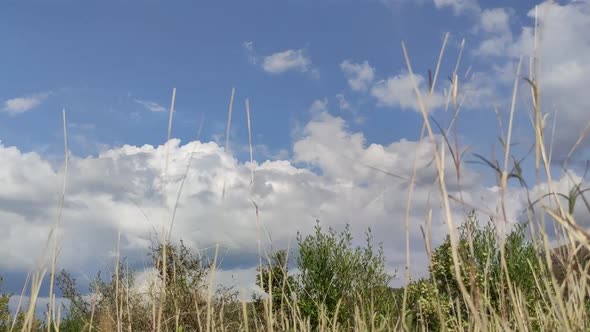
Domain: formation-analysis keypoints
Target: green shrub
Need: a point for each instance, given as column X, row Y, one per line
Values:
column 481, row 273
column 274, row 279
column 333, row 271
column 5, row 319
column 118, row 301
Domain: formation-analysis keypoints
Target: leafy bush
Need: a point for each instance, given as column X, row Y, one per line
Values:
column 274, row 279
column 118, row 301
column 339, row 286
column 110, row 302
column 5, row 319
column 334, row 274
column 184, row 282
column 482, row 273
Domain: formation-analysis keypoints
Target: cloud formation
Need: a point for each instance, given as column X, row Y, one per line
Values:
column 359, row 75
column 563, row 48
column 495, row 24
column 23, row 104
column 394, row 91
column 287, row 60
column 126, row 189
column 398, row 91
column 281, row 62
column 459, row 6
column 151, row 106
column 319, row 105
column 334, row 176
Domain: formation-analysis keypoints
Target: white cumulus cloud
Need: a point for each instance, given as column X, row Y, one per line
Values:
column 281, row 62
column 495, row 20
column 495, row 24
column 564, row 53
column 126, row 190
column 398, row 91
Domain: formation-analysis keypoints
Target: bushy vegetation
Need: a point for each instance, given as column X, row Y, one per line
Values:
column 178, row 294
column 9, row 322
column 335, row 277
column 482, row 273
column 338, row 286
column 5, row 320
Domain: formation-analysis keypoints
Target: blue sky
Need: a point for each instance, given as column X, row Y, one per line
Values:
column 97, row 59
column 329, row 94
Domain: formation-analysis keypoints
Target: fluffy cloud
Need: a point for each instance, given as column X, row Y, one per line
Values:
column 359, row 75
column 495, row 24
column 561, row 185
column 281, row 62
column 564, row 53
column 495, row 20
column 23, row 104
column 398, row 91
column 128, row 190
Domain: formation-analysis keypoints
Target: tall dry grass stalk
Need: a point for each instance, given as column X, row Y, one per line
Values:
column 165, row 235
column 229, row 115
column 40, row 271
column 412, row 185
column 20, row 300
column 440, row 167
column 250, row 143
